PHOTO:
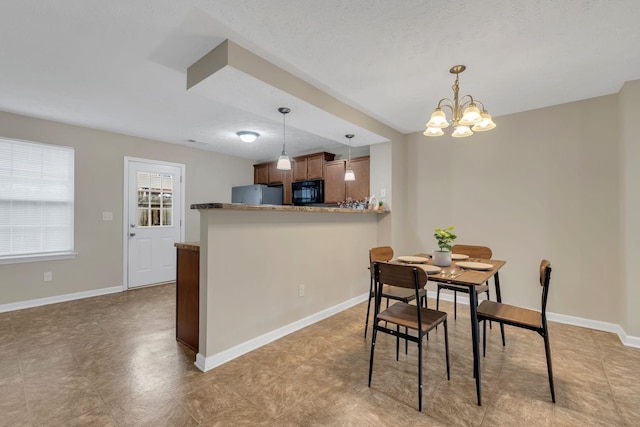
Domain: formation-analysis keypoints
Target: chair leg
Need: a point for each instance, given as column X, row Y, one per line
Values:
column 397, row 342
column 366, row 322
column 455, row 305
column 446, row 348
column 420, row 373
column 438, row 299
column 502, row 333
column 373, row 346
column 547, row 350
column 484, row 337
column 406, row 341
column 488, row 299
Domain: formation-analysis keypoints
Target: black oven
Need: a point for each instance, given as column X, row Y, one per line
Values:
column 307, row 192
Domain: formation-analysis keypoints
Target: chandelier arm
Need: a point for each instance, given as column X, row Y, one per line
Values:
column 450, row 103
column 480, row 102
column 463, row 103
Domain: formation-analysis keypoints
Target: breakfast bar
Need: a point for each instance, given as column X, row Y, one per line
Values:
column 266, row 271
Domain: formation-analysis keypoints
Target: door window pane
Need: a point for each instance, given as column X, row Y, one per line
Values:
column 155, row 199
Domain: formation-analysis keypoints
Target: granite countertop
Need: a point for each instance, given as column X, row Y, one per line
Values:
column 282, row 208
column 189, row 246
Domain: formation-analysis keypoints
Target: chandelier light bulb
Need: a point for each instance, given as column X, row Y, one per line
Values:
column 433, row 132
column 461, row 131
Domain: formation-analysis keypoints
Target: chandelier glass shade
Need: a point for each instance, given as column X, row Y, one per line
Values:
column 284, row 162
column 466, row 117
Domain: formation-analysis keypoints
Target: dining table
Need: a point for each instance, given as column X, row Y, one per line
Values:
column 470, row 272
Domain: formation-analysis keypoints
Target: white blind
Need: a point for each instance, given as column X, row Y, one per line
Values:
column 36, row 198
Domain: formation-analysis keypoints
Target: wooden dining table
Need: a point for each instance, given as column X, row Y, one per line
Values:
column 470, row 278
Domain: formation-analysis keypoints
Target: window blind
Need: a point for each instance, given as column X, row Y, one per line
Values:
column 36, row 199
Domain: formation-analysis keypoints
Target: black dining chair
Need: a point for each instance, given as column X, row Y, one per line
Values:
column 385, row 253
column 522, row 318
column 411, row 317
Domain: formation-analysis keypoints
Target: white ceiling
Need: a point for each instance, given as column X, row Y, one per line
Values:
column 121, row 65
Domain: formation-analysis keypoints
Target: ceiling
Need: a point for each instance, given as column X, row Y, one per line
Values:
column 121, row 66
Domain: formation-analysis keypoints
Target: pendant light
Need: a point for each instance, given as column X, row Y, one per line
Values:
column 284, row 162
column 349, row 175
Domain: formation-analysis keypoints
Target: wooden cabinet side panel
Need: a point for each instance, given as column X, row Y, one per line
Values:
column 187, row 298
column 286, row 187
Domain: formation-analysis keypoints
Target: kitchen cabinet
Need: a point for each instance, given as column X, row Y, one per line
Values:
column 261, row 174
column 336, row 190
column 269, row 174
column 311, row 166
column 275, row 174
column 359, row 189
column 188, row 294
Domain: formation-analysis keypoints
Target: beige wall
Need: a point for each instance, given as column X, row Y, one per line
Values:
column 254, row 261
column 99, row 160
column 543, row 184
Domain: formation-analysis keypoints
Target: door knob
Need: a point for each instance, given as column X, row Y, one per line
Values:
column 132, row 234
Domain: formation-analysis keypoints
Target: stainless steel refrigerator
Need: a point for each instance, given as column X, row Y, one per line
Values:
column 257, row 195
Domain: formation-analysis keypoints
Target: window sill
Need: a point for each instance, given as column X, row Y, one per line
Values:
column 19, row 259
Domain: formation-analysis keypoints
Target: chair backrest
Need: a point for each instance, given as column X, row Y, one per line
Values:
column 482, row 252
column 405, row 276
column 381, row 253
column 545, row 278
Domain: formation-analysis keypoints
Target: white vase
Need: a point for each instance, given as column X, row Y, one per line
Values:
column 442, row 258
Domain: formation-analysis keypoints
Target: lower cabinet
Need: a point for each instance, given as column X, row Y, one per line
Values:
column 188, row 294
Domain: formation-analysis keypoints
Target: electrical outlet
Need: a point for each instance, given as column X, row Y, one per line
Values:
column 48, row 276
column 107, row 216
column 301, row 290
column 383, row 192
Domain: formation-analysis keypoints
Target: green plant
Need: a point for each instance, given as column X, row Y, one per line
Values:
column 445, row 237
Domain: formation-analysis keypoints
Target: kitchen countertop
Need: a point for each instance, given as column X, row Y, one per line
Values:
column 189, row 246
column 282, row 208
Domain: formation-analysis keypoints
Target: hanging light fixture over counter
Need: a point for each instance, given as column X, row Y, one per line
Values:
column 349, row 175
column 284, row 162
column 464, row 113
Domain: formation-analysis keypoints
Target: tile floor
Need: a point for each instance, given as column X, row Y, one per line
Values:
column 113, row 361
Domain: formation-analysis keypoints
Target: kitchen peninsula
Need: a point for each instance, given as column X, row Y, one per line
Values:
column 266, row 271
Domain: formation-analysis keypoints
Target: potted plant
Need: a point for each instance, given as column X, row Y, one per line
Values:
column 445, row 238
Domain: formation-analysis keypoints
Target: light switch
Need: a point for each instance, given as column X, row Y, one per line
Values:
column 107, row 216
column 383, row 192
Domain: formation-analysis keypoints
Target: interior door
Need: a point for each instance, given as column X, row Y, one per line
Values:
column 154, row 223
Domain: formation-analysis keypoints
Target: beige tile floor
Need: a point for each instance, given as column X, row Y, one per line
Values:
column 113, row 361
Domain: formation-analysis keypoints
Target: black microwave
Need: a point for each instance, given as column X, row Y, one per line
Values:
column 307, row 192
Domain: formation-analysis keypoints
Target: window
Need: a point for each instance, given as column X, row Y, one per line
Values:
column 36, row 201
column 155, row 195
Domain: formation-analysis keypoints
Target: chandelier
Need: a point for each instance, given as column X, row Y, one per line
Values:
column 465, row 115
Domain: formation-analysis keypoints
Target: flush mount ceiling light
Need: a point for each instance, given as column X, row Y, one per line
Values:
column 247, row 135
column 284, row 162
column 349, row 175
column 464, row 113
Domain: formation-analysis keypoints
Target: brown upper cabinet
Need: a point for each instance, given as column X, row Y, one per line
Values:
column 261, row 174
column 336, row 190
column 268, row 174
column 310, row 166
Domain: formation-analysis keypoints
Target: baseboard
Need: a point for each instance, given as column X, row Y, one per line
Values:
column 58, row 298
column 207, row 363
column 629, row 341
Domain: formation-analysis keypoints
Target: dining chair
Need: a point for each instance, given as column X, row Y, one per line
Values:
column 522, row 318
column 385, row 253
column 412, row 317
column 481, row 252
